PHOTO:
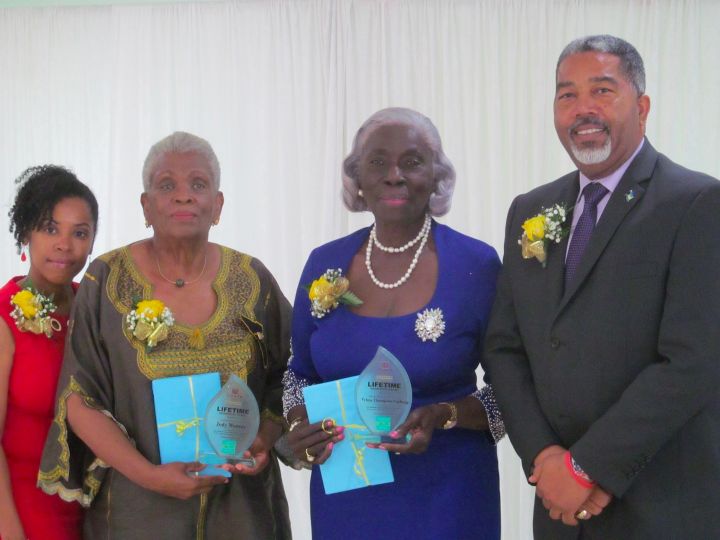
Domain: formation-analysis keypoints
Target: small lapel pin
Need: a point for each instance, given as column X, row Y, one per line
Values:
column 629, row 196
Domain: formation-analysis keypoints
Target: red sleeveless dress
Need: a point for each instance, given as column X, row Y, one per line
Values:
column 30, row 411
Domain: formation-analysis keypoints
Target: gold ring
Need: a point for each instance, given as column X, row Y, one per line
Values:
column 583, row 514
column 322, row 425
column 309, row 456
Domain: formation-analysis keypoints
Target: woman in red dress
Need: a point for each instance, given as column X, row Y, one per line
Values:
column 54, row 217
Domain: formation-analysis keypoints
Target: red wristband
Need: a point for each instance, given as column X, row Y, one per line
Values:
column 578, row 474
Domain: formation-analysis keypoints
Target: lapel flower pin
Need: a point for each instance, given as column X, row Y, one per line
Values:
column 547, row 227
column 328, row 291
column 32, row 312
column 629, row 195
column 150, row 321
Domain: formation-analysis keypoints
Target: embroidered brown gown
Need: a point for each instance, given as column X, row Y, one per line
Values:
column 247, row 335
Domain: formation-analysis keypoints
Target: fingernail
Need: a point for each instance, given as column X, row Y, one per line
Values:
column 340, row 437
column 330, row 446
column 382, row 447
column 339, row 429
column 394, row 434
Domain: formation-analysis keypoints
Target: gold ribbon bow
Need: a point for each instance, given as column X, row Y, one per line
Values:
column 152, row 332
column 533, row 249
column 181, row 426
column 42, row 325
column 354, row 438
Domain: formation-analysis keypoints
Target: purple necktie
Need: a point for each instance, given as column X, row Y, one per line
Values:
column 593, row 194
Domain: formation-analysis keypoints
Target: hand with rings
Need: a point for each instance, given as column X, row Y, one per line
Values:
column 594, row 505
column 313, row 443
column 582, row 514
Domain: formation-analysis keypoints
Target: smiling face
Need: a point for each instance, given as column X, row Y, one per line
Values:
column 599, row 117
column 59, row 247
column 396, row 173
column 182, row 201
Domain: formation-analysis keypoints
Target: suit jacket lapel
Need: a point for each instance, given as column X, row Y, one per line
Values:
column 555, row 270
column 617, row 208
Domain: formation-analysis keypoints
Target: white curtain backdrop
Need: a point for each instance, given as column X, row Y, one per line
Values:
column 280, row 87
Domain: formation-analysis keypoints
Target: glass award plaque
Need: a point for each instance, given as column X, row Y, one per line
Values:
column 383, row 395
column 232, row 420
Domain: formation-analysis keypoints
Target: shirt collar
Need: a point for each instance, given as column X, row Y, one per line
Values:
column 612, row 180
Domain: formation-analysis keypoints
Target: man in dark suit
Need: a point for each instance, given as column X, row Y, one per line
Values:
column 605, row 358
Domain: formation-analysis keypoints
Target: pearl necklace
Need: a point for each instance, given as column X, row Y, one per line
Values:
column 422, row 236
column 411, row 243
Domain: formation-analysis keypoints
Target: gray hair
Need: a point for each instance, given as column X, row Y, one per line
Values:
column 631, row 62
column 180, row 142
column 444, row 171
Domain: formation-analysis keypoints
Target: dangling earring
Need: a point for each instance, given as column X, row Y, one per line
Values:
column 216, row 221
column 147, row 224
column 23, row 256
column 360, row 193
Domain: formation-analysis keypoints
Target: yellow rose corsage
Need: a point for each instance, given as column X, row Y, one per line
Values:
column 32, row 311
column 543, row 229
column 328, row 291
column 150, row 321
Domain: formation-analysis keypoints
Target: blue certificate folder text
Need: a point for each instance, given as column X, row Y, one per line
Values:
column 180, row 404
column 352, row 465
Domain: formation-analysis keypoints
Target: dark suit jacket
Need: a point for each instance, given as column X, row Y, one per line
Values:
column 622, row 367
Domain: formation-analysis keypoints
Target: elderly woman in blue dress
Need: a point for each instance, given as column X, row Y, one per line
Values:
column 405, row 268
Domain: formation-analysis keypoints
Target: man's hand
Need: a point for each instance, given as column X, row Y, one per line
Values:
column 545, row 452
column 555, row 485
column 596, row 502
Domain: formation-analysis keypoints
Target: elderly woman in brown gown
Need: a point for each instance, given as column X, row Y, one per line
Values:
column 229, row 317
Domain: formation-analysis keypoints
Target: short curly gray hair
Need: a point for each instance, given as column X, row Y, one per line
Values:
column 444, row 171
column 180, row 142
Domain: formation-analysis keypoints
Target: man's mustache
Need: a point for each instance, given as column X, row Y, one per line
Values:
column 588, row 120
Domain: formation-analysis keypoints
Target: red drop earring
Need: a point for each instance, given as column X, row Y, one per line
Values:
column 23, row 256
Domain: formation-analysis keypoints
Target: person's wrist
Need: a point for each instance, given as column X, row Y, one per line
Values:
column 295, row 422
column 577, row 473
column 547, row 451
column 148, row 477
column 451, row 415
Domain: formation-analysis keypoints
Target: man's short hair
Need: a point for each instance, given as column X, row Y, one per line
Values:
column 631, row 62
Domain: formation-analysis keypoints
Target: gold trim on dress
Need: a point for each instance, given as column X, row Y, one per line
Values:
column 49, row 481
column 200, row 529
column 193, row 349
column 276, row 418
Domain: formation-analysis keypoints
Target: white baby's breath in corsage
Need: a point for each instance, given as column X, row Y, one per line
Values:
column 547, row 227
column 150, row 321
column 32, row 311
column 328, row 291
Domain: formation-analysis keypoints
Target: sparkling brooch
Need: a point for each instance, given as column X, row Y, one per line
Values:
column 430, row 324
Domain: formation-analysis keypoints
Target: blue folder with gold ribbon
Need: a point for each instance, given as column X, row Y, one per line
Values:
column 352, row 465
column 180, row 404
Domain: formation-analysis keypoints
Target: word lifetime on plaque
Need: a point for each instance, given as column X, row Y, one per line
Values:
column 383, row 394
column 232, row 420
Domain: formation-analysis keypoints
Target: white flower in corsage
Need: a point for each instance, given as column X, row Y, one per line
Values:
column 328, row 291
column 149, row 321
column 548, row 227
column 32, row 312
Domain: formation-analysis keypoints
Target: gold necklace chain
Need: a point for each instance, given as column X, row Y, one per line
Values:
column 179, row 282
